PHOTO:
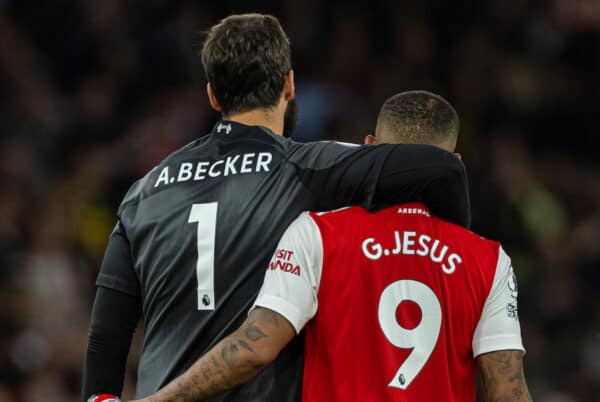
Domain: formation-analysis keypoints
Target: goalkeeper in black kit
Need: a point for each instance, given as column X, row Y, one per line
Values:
column 195, row 234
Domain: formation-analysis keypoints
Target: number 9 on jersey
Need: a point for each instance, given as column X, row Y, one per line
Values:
column 421, row 339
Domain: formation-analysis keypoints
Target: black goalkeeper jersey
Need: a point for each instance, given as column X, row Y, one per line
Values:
column 196, row 233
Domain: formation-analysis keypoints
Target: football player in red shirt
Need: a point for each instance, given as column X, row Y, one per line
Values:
column 397, row 306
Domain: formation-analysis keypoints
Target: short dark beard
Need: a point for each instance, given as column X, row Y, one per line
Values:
column 290, row 118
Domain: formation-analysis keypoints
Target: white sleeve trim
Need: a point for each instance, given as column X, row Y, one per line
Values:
column 292, row 280
column 496, row 343
column 498, row 327
column 284, row 308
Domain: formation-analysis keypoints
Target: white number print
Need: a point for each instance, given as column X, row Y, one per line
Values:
column 422, row 339
column 205, row 215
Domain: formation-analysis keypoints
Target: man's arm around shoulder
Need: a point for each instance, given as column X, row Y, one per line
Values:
column 386, row 174
column 233, row 361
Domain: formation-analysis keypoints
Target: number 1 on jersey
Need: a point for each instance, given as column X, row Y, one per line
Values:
column 205, row 215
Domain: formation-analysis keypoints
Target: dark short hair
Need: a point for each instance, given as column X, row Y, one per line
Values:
column 246, row 58
column 417, row 117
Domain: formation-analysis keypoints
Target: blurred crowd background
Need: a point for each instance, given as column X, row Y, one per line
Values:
column 93, row 93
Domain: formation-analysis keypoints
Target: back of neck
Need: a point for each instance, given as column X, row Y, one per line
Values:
column 259, row 117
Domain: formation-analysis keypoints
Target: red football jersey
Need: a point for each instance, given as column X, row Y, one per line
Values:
column 402, row 303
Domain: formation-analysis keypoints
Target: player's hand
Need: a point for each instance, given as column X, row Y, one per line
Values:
column 104, row 398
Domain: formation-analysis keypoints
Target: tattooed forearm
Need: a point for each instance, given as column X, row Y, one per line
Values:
column 503, row 361
column 229, row 353
column 503, row 377
column 232, row 361
column 264, row 316
column 253, row 332
column 245, row 345
column 274, row 317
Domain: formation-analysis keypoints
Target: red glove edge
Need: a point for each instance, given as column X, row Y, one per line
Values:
column 104, row 398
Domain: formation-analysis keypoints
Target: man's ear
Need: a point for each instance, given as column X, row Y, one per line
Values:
column 289, row 88
column 370, row 140
column 212, row 98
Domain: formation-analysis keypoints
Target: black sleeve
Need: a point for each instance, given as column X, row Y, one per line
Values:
column 441, row 185
column 116, row 311
column 117, row 270
column 341, row 175
column 114, row 318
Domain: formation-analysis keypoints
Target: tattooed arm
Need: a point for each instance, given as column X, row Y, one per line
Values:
column 503, row 377
column 233, row 361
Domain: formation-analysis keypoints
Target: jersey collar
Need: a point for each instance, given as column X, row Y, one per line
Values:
column 231, row 128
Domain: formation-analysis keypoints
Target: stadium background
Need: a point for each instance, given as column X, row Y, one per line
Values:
column 95, row 92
